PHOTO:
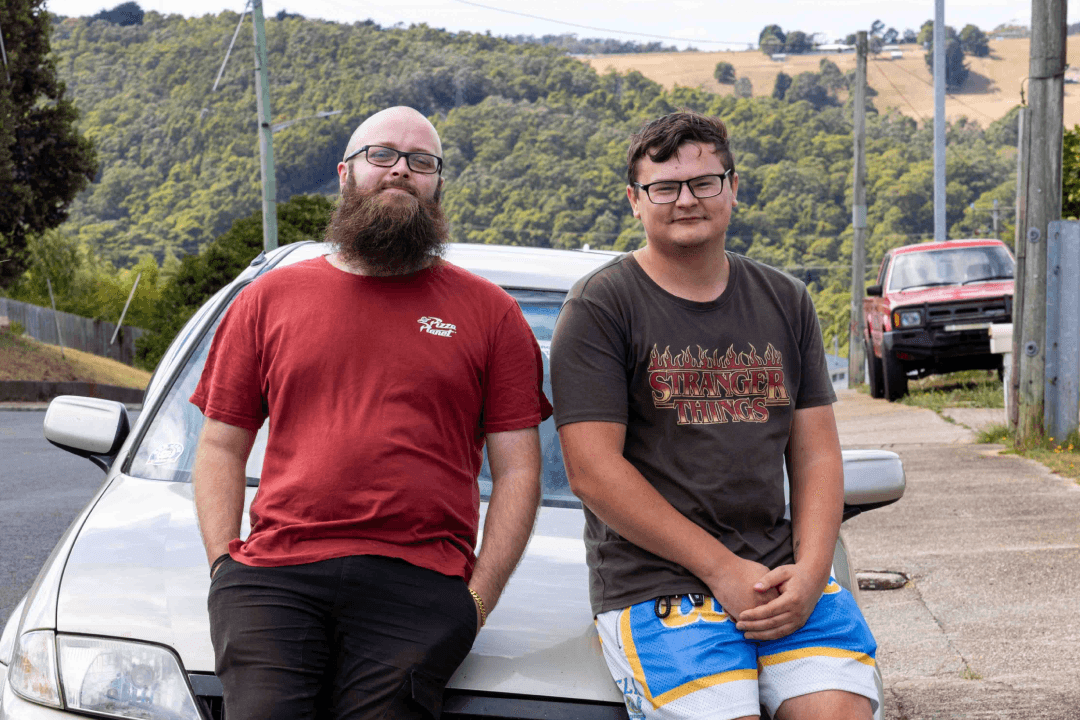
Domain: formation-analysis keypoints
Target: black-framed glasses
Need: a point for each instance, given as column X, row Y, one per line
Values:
column 423, row 163
column 667, row 191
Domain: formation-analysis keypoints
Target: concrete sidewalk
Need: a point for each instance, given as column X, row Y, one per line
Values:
column 989, row 625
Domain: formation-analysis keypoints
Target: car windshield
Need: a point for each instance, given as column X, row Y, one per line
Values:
column 954, row 266
column 167, row 449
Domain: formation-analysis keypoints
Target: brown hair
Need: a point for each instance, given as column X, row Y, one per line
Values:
column 661, row 139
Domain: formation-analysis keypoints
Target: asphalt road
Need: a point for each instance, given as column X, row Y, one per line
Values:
column 42, row 489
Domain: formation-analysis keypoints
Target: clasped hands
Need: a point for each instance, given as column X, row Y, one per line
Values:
column 768, row 604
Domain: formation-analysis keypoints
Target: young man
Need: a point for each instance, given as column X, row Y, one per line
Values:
column 684, row 377
column 382, row 371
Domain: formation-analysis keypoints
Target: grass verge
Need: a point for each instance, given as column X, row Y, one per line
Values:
column 1059, row 455
column 970, row 388
column 23, row 358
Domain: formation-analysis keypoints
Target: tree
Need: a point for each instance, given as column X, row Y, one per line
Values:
column 956, row 71
column 771, row 39
column 910, row 36
column 44, row 160
column 724, row 73
column 797, row 43
column 876, row 28
column 783, row 82
column 973, row 41
column 128, row 13
column 1070, row 174
column 891, row 36
column 744, row 88
column 832, row 78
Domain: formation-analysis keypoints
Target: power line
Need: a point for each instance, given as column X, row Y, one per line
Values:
column 948, row 94
column 898, row 92
column 599, row 29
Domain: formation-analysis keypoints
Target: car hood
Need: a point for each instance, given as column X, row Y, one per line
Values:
column 951, row 293
column 138, row 571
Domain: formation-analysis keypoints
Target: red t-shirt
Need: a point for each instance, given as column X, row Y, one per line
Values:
column 379, row 392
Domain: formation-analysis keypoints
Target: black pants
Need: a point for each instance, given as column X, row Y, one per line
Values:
column 354, row 637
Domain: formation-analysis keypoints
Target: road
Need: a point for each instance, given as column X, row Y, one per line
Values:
column 42, row 489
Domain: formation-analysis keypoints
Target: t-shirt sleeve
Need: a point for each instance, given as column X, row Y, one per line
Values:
column 514, row 389
column 230, row 388
column 588, row 365
column 816, row 387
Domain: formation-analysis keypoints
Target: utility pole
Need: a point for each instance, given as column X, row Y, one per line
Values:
column 994, row 217
column 856, row 352
column 1043, row 190
column 1020, row 245
column 266, row 143
column 939, row 120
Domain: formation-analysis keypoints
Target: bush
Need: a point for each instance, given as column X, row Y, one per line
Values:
column 724, row 73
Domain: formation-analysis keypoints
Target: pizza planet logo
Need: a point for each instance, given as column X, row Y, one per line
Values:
column 706, row 388
column 435, row 326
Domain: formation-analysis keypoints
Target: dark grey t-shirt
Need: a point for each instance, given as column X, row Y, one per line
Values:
column 707, row 392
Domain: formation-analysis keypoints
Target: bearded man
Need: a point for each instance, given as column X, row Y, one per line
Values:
column 382, row 370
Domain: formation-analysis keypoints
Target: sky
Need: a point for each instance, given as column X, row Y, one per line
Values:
column 707, row 25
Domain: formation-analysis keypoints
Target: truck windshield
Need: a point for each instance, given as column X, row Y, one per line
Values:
column 953, row 266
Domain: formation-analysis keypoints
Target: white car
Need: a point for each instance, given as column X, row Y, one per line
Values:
column 116, row 624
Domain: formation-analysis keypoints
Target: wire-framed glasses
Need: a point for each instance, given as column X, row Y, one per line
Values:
column 419, row 162
column 667, row 191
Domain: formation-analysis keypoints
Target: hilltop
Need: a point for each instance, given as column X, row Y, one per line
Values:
column 906, row 84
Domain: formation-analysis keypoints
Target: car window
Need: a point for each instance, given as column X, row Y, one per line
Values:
column 167, row 449
column 954, row 266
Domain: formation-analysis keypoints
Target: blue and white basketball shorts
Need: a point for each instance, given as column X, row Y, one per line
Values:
column 693, row 663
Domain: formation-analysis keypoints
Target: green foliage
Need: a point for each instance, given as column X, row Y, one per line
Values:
column 44, row 160
column 771, row 39
column 200, row 276
column 724, row 73
column 956, row 71
column 974, row 41
column 797, row 42
column 128, row 13
column 744, row 88
column 1070, row 174
column 780, row 87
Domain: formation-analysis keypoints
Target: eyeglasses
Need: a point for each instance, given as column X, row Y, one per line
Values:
column 668, row 191
column 419, row 162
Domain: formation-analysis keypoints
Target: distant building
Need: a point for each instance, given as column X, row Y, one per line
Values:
column 834, row 48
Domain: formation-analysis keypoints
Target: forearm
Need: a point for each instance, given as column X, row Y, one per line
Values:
column 817, row 499
column 627, row 503
column 219, row 479
column 515, row 496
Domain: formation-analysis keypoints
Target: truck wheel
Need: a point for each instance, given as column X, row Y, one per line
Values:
column 895, row 379
column 873, row 372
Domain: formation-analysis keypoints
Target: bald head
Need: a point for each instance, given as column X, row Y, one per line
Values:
column 394, row 127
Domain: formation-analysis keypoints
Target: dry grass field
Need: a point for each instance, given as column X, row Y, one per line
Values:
column 23, row 358
column 906, row 84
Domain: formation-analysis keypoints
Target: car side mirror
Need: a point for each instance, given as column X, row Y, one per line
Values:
column 872, row 479
column 873, row 291
column 88, row 427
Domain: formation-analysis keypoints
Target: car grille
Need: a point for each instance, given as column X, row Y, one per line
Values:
column 997, row 310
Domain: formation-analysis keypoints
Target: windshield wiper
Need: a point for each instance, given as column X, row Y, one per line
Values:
column 988, row 277
column 927, row 284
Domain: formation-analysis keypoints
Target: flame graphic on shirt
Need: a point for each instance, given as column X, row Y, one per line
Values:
column 710, row 387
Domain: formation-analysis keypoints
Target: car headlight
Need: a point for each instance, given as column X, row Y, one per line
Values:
column 11, row 630
column 115, row 678
column 123, row 679
column 33, row 668
column 907, row 318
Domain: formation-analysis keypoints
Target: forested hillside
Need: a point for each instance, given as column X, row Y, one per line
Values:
column 534, row 141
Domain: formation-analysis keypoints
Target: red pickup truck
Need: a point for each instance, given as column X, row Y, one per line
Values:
column 931, row 311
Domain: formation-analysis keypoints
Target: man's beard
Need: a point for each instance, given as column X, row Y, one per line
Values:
column 387, row 233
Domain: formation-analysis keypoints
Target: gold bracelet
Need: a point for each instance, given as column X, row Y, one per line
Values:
column 479, row 604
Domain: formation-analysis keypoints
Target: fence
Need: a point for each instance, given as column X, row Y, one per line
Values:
column 79, row 333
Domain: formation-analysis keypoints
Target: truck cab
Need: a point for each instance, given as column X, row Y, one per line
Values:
column 931, row 309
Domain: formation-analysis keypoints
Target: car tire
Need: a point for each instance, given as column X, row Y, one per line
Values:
column 894, row 377
column 873, row 371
